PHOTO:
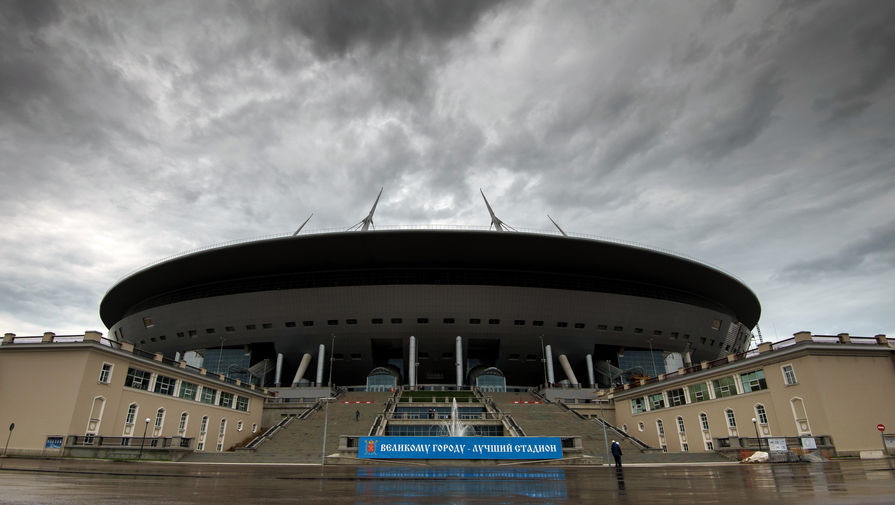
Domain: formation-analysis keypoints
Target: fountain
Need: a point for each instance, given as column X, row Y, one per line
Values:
column 453, row 426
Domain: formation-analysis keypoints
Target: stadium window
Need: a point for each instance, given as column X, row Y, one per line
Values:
column 475, row 320
column 519, row 322
column 602, row 327
column 531, row 357
column 338, row 356
column 579, row 325
column 640, row 426
column 685, row 447
column 162, row 338
column 203, row 426
column 239, row 425
column 250, row 326
column 789, row 375
column 537, row 323
column 712, row 343
column 147, row 322
column 638, row 330
column 180, row 334
column 514, row 357
column 209, row 330
column 208, row 395
column 290, row 324
column 686, row 336
column 422, row 320
column 192, row 333
column 448, row 320
column 709, row 446
column 229, row 329
column 423, row 355
column 351, row 321
column 254, row 427
column 355, row 356
column 494, row 321
column 266, row 326
column 397, row 320
column 562, row 324
column 753, row 381
column 447, row 355
column 657, row 332
column 307, row 323
column 675, row 334
column 376, row 320
column 618, row 328
column 105, row 373
column 716, row 324
column 701, row 340
column 152, row 339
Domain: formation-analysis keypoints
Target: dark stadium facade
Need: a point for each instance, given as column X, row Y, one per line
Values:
column 507, row 295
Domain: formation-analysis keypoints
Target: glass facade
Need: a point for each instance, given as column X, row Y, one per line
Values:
column 650, row 363
column 724, row 387
column 699, row 392
column 754, row 381
column 234, row 363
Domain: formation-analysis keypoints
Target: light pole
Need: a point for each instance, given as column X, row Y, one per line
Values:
column 326, row 407
column 143, row 440
column 543, row 359
column 651, row 358
column 220, row 352
column 12, row 426
column 605, row 438
column 755, row 425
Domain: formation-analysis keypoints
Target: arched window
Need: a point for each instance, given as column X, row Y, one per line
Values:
column 800, row 414
column 203, row 426
column 680, row 425
column 239, row 425
column 761, row 414
column 220, row 446
column 704, row 421
column 96, row 414
column 159, row 418
column 660, row 427
column 131, row 413
column 731, row 419
column 183, row 420
column 625, row 428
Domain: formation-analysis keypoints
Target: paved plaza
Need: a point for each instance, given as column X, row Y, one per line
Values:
column 29, row 482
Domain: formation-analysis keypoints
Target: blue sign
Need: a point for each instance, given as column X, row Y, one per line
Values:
column 460, row 447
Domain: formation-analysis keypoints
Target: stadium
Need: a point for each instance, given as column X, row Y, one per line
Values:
column 410, row 306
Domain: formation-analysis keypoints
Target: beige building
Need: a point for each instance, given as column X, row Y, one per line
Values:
column 832, row 391
column 84, row 395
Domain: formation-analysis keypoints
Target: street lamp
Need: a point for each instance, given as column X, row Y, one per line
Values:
column 327, row 400
column 543, row 359
column 143, row 440
column 651, row 358
column 755, row 425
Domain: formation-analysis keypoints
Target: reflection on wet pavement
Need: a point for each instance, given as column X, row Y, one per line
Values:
column 76, row 482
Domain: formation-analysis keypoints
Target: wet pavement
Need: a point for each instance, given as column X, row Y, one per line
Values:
column 25, row 481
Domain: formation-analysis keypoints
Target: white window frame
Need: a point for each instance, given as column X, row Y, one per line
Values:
column 792, row 372
column 704, row 421
column 660, row 427
column 680, row 425
column 105, row 376
column 159, row 418
column 762, row 415
column 130, row 417
column 184, row 421
column 203, row 426
column 731, row 417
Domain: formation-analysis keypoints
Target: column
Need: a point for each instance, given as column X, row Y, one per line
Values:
column 279, row 373
column 549, row 357
column 458, row 354
column 590, row 369
column 321, row 354
column 302, row 368
column 411, row 374
column 564, row 361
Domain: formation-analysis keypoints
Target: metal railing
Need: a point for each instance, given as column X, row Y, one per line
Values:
column 269, row 433
column 129, row 442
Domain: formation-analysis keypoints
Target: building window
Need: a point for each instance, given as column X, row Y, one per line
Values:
column 638, row 406
column 147, row 322
column 494, row 321
column 754, row 381
column 188, row 390
column 660, row 427
column 579, row 326
column 761, row 414
column 376, row 320
column 699, row 392
column 351, row 321
column 475, row 320
column 422, row 320
column 131, row 413
column 716, row 324
column 203, row 426
column 709, row 446
column 676, row 397
column 731, row 419
column 165, row 385
column 397, row 320
column 254, row 427
column 221, row 432
column 724, row 387
column 685, row 447
column 242, row 403
column 208, row 395
column 183, row 419
column 290, row 324
column 680, row 425
column 448, row 320
column 137, row 379
column 656, row 401
column 625, row 428
column 105, row 374
column 537, row 323
column 789, row 375
column 159, row 418
column 562, row 324
column 226, row 399
column 238, row 425
column 704, row 421
column 519, row 322
column 640, row 426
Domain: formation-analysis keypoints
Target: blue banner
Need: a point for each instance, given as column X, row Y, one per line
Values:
column 460, row 447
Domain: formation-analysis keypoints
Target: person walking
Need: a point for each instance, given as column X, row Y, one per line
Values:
column 617, row 454
column 356, row 415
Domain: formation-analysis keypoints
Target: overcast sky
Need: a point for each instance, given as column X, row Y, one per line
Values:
column 756, row 136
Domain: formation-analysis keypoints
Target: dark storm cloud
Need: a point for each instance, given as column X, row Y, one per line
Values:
column 874, row 253
column 336, row 28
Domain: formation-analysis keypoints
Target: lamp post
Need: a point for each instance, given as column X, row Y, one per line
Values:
column 605, row 438
column 543, row 359
column 755, row 425
column 327, row 400
column 143, row 440
column 651, row 358
column 12, row 426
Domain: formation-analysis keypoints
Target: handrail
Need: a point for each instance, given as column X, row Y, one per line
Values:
column 623, row 434
column 269, row 433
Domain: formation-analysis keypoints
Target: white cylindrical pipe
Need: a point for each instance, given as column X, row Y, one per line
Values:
column 549, row 357
column 302, row 368
column 458, row 354
column 279, row 373
column 411, row 374
column 590, row 369
column 321, row 353
column 564, row 361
